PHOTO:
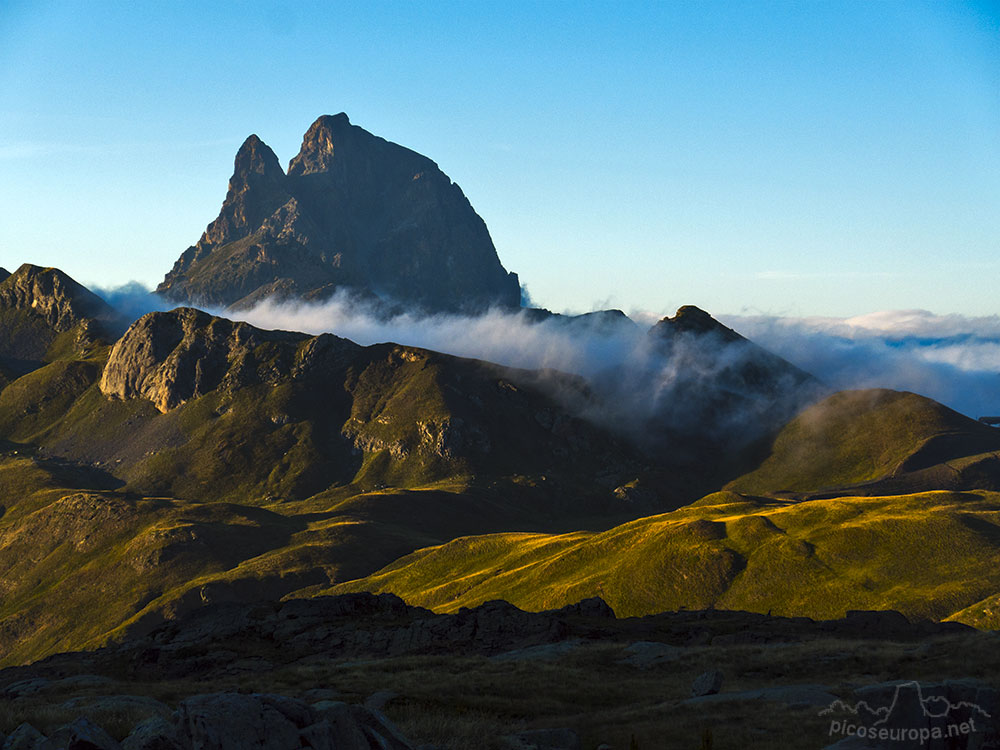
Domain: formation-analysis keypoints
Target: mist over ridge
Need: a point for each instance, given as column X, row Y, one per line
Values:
column 951, row 358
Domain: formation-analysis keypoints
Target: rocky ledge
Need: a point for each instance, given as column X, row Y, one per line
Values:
column 172, row 357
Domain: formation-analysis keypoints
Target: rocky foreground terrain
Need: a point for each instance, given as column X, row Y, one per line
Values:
column 364, row 672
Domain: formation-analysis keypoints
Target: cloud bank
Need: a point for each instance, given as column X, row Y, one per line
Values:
column 951, row 358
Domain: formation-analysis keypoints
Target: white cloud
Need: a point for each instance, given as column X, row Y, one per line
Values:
column 951, row 358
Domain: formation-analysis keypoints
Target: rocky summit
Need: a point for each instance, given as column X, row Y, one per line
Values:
column 46, row 315
column 354, row 212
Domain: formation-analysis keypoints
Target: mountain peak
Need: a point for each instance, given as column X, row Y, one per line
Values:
column 354, row 211
column 4, row 273
column 256, row 157
column 319, row 142
column 54, row 296
column 692, row 321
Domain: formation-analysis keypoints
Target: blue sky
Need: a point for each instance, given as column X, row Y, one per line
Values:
column 808, row 158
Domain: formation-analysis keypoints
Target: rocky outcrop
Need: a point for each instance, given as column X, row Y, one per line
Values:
column 384, row 415
column 45, row 315
column 172, row 357
column 51, row 295
column 4, row 273
column 353, row 212
column 232, row 721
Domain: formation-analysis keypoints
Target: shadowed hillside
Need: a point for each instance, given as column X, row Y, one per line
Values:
column 196, row 460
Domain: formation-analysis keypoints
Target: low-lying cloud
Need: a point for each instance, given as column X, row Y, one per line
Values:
column 951, row 358
column 657, row 393
column 511, row 339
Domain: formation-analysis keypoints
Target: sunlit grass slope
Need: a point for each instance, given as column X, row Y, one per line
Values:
column 860, row 436
column 928, row 555
column 83, row 562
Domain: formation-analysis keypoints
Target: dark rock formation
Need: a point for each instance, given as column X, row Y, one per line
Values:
column 693, row 320
column 723, row 383
column 707, row 683
column 4, row 273
column 737, row 363
column 232, row 721
column 354, row 212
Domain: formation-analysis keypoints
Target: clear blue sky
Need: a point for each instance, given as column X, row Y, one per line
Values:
column 801, row 158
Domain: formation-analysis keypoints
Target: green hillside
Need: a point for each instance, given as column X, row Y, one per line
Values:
column 196, row 459
column 856, row 437
column 816, row 559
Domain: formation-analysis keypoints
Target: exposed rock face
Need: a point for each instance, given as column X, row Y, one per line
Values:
column 694, row 321
column 384, row 414
column 4, row 273
column 53, row 296
column 169, row 358
column 45, row 315
column 354, row 211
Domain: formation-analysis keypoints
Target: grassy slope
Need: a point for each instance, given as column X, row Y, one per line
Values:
column 859, row 436
column 816, row 558
column 116, row 561
column 272, row 490
column 155, row 513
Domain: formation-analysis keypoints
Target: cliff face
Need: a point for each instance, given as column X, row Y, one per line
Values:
column 170, row 358
column 354, row 211
column 52, row 296
column 45, row 315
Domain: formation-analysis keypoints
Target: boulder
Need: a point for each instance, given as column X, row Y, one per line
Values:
column 23, row 688
column 379, row 730
column 707, row 683
column 155, row 733
column 376, row 701
column 83, row 734
column 541, row 652
column 233, row 721
column 25, row 737
column 646, row 654
column 338, row 724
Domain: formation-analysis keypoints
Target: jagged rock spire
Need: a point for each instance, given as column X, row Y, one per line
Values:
column 354, row 211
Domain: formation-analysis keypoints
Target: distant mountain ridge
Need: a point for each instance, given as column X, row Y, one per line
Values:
column 226, row 462
column 354, row 212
